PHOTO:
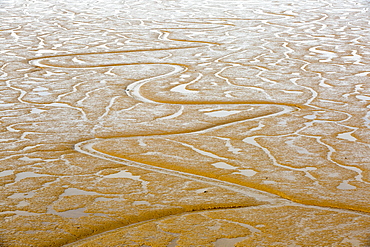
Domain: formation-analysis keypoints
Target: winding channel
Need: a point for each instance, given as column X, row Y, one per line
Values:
column 133, row 91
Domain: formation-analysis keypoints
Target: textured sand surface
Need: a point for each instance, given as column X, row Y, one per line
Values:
column 184, row 123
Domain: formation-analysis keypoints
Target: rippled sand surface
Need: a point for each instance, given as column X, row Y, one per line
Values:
column 185, row 123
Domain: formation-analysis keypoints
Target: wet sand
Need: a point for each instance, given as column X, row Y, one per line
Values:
column 184, row 123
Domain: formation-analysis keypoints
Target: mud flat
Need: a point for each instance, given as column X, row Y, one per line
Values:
column 184, row 123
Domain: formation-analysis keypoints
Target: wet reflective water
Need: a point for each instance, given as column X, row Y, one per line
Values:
column 115, row 113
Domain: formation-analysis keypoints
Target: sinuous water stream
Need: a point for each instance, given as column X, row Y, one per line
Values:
column 173, row 123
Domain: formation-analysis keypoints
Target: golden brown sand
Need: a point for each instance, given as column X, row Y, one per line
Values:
column 184, row 123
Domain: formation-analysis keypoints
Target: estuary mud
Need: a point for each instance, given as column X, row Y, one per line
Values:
column 184, row 123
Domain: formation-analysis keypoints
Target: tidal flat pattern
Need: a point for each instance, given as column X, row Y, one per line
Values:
column 185, row 123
